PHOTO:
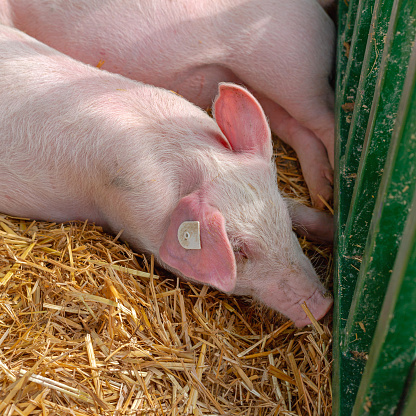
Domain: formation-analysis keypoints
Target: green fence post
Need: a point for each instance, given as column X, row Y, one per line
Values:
column 393, row 350
column 352, row 41
column 351, row 343
column 407, row 405
column 366, row 86
column 376, row 266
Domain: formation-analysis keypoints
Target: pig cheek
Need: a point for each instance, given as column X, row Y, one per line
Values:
column 274, row 295
column 287, row 296
column 245, row 276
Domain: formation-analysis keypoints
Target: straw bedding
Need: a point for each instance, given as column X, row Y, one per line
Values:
column 89, row 328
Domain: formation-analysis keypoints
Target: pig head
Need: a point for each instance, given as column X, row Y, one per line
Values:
column 244, row 239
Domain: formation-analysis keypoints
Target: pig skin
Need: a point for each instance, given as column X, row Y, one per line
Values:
column 282, row 50
column 80, row 143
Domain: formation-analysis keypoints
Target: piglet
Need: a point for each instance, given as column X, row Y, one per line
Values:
column 78, row 143
column 282, row 50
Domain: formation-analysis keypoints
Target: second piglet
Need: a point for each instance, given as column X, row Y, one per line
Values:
column 200, row 194
column 280, row 49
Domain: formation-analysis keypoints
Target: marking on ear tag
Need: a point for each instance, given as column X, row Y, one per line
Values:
column 189, row 235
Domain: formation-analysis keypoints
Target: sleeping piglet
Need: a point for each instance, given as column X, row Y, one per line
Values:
column 282, row 50
column 78, row 143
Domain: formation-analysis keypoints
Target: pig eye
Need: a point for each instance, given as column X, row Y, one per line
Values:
column 240, row 254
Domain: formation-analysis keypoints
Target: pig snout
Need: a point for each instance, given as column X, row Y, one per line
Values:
column 300, row 286
column 319, row 303
column 306, row 288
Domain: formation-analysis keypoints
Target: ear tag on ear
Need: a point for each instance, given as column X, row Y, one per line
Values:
column 189, row 235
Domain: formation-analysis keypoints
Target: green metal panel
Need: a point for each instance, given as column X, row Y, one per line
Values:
column 344, row 16
column 347, row 366
column 377, row 263
column 393, row 350
column 347, row 15
column 347, row 90
column 382, row 95
column 366, row 86
column 349, row 45
column 407, row 405
column 352, row 250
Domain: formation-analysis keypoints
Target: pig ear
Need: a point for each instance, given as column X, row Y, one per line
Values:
column 214, row 262
column 242, row 120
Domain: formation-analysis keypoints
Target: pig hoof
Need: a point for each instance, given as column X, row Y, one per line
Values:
column 320, row 187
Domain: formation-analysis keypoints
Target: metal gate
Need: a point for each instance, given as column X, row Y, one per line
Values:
column 375, row 270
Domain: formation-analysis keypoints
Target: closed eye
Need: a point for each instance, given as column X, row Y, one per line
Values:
column 240, row 254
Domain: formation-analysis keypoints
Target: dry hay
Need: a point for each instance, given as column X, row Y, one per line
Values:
column 87, row 328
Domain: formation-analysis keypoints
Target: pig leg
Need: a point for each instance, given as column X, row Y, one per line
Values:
column 199, row 85
column 317, row 115
column 311, row 152
column 311, row 223
column 298, row 78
